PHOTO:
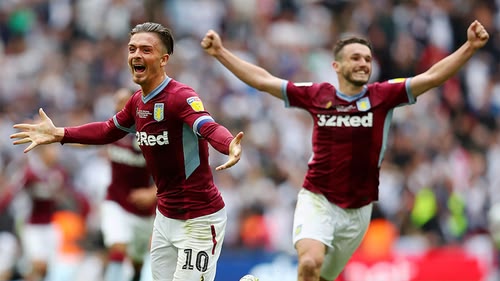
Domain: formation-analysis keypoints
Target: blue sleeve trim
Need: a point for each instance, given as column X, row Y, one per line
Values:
column 284, row 84
column 128, row 130
column 199, row 122
column 411, row 97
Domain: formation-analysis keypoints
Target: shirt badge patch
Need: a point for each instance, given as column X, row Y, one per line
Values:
column 396, row 80
column 363, row 104
column 195, row 103
column 159, row 111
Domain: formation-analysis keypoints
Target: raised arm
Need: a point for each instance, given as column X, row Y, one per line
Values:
column 477, row 36
column 251, row 74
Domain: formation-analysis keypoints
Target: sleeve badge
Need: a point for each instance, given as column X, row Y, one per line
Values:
column 195, row 103
column 396, row 80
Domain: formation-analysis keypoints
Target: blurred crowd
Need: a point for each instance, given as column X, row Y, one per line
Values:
column 440, row 179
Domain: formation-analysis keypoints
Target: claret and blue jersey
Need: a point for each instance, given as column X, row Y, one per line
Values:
column 349, row 136
column 166, row 123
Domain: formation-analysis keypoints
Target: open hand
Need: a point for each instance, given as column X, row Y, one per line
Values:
column 234, row 153
column 43, row 132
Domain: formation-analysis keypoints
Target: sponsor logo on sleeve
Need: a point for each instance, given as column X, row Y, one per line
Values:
column 396, row 80
column 195, row 103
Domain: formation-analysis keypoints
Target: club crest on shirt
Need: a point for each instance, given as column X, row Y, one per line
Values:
column 159, row 111
column 195, row 103
column 363, row 104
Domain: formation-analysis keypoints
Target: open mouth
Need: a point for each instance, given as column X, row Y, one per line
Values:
column 139, row 68
column 360, row 73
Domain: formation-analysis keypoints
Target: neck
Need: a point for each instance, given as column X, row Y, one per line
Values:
column 147, row 88
column 349, row 89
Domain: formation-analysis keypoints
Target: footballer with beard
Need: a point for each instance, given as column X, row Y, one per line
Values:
column 351, row 125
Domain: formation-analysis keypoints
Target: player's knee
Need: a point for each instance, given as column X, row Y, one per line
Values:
column 40, row 267
column 309, row 264
column 309, row 269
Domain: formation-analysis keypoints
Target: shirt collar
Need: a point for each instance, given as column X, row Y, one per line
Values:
column 352, row 98
column 157, row 90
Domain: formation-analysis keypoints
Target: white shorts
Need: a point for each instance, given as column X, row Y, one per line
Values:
column 187, row 250
column 120, row 226
column 8, row 251
column 40, row 241
column 341, row 230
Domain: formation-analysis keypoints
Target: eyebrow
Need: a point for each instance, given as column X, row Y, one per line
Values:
column 140, row 45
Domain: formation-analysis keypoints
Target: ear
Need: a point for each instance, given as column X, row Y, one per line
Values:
column 336, row 66
column 164, row 59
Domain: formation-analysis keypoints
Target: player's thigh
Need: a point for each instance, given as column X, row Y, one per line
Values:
column 313, row 218
column 116, row 225
column 163, row 253
column 347, row 239
column 199, row 247
column 139, row 245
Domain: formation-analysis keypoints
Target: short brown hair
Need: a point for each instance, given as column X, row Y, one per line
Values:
column 164, row 33
column 341, row 43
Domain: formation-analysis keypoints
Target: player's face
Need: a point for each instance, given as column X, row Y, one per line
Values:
column 356, row 64
column 146, row 58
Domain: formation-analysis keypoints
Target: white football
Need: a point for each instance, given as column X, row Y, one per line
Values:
column 249, row 278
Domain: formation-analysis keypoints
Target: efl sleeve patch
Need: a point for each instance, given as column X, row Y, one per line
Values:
column 195, row 103
column 396, row 80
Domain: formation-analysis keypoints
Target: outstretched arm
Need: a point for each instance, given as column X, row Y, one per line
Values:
column 477, row 36
column 43, row 132
column 251, row 74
